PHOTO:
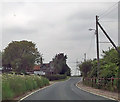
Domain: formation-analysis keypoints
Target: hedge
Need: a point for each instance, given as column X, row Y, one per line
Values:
column 55, row 77
column 15, row 85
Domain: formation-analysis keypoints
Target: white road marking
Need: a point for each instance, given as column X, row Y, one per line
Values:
column 39, row 90
column 96, row 93
column 36, row 91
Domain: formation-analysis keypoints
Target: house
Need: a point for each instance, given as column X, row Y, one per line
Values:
column 52, row 69
column 38, row 71
column 7, row 69
column 44, row 69
column 48, row 68
column 0, row 70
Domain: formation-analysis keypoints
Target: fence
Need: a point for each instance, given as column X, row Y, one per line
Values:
column 110, row 84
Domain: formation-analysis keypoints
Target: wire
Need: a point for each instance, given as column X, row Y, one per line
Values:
column 71, row 62
column 108, row 21
column 91, row 41
column 108, row 11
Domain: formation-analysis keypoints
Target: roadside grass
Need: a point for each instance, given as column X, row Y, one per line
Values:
column 16, row 85
column 76, row 76
column 61, row 79
column 51, row 82
column 56, row 77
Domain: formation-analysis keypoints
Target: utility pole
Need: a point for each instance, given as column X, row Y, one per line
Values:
column 109, row 48
column 77, row 71
column 109, row 38
column 84, row 57
column 118, row 56
column 119, row 53
column 97, row 42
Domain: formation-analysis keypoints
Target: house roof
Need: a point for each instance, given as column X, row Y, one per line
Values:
column 36, row 67
column 46, row 65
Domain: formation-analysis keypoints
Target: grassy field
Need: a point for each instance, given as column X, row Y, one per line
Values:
column 16, row 85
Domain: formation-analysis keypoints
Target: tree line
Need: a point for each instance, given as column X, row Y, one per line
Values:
column 21, row 56
column 108, row 65
column 106, row 77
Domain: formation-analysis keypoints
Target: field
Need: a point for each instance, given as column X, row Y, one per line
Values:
column 16, row 85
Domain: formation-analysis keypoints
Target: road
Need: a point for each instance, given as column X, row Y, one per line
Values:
column 65, row 90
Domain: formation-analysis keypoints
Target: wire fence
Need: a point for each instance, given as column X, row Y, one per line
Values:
column 110, row 84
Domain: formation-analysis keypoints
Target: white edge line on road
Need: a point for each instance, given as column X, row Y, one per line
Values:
column 35, row 92
column 68, row 79
column 95, row 93
column 39, row 90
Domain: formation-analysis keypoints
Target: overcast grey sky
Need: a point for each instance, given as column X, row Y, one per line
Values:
column 59, row 27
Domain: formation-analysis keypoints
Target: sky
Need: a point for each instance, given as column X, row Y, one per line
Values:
column 59, row 27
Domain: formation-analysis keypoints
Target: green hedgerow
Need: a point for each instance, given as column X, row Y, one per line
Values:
column 15, row 85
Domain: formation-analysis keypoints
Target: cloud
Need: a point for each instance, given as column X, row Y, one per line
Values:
column 56, row 27
column 18, row 31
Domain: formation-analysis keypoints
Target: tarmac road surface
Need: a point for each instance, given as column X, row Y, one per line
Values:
column 66, row 90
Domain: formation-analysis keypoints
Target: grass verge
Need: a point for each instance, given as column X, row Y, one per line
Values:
column 16, row 85
column 61, row 79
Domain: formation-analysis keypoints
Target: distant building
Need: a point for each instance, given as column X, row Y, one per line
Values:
column 38, row 71
column 0, row 70
column 44, row 69
column 7, row 69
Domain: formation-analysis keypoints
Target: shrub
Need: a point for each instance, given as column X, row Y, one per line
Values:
column 55, row 77
column 15, row 85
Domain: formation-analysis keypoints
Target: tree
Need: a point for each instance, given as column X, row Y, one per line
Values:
column 0, row 59
column 85, row 67
column 20, row 55
column 110, row 56
column 108, row 65
column 60, row 64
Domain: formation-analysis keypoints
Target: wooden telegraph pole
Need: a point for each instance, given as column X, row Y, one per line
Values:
column 84, row 57
column 97, row 42
column 111, row 41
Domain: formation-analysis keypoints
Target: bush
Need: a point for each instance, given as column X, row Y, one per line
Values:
column 105, row 84
column 108, row 68
column 55, row 77
column 15, row 85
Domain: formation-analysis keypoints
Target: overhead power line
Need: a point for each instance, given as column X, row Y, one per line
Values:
column 71, row 62
column 91, row 42
column 106, row 12
column 108, row 21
